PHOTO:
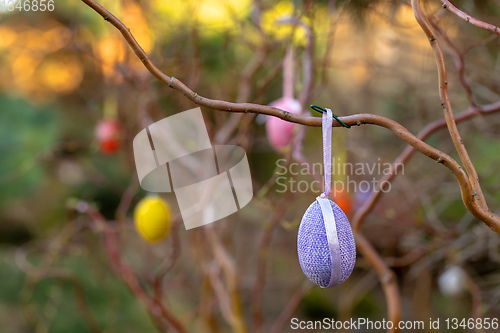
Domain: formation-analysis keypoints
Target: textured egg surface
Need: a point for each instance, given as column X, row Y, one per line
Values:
column 312, row 245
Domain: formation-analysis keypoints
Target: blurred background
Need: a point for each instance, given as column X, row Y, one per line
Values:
column 73, row 95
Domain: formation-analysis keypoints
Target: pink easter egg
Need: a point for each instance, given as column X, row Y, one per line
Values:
column 280, row 132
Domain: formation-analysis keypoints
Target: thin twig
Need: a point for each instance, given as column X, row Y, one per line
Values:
column 466, row 17
column 80, row 299
column 290, row 308
column 407, row 153
column 263, row 260
column 228, row 268
column 477, row 194
column 169, row 261
column 475, row 292
column 125, row 273
column 458, row 58
column 386, row 277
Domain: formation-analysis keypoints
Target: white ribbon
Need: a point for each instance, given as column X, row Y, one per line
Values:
column 325, row 203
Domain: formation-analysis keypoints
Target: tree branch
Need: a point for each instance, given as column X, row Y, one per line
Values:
column 466, row 17
column 407, row 153
column 458, row 58
column 471, row 195
column 110, row 243
column 476, row 194
column 387, row 279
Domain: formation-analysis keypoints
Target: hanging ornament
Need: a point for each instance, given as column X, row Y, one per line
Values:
column 325, row 242
column 280, row 132
column 152, row 218
column 109, row 131
column 453, row 281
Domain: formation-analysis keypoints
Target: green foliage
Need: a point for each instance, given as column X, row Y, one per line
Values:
column 26, row 134
column 115, row 309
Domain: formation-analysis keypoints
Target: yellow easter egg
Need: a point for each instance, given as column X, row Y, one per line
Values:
column 152, row 218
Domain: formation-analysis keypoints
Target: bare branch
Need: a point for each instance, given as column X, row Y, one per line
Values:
column 110, row 243
column 475, row 194
column 387, row 279
column 471, row 195
column 290, row 308
column 406, row 154
column 466, row 17
column 458, row 58
column 263, row 261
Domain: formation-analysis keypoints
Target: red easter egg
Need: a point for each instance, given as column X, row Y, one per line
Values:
column 280, row 132
column 108, row 133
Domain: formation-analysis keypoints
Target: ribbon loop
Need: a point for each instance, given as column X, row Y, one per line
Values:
column 327, row 150
column 333, row 241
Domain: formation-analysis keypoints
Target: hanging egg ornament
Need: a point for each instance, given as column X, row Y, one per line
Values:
column 325, row 242
column 280, row 132
column 152, row 218
column 453, row 281
column 108, row 133
column 326, row 248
